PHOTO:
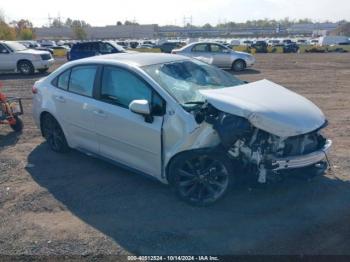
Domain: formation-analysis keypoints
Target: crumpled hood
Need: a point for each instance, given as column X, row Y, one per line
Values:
column 269, row 107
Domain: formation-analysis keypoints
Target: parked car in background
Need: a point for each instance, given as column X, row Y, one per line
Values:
column 260, row 46
column 287, row 41
column 247, row 42
column 218, row 55
column 60, row 50
column 290, row 48
column 17, row 57
column 167, row 47
column 302, row 42
column 133, row 44
column 146, row 46
column 30, row 44
column 180, row 121
column 92, row 48
column 123, row 44
column 35, row 45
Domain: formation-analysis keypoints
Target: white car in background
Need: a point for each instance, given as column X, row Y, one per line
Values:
column 181, row 121
column 16, row 57
column 217, row 54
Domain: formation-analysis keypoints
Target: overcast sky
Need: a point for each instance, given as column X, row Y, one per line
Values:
column 107, row 12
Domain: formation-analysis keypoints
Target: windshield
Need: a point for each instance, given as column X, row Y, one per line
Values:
column 15, row 46
column 183, row 79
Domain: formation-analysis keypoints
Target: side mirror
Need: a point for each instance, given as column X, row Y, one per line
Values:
column 141, row 107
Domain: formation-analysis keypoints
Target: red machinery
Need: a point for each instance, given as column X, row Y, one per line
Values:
column 10, row 110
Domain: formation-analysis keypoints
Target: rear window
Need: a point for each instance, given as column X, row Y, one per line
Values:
column 63, row 80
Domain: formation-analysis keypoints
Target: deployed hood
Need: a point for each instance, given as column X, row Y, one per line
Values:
column 269, row 107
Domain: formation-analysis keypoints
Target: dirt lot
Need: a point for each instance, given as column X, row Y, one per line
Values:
column 75, row 204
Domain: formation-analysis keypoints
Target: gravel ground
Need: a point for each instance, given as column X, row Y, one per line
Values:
column 76, row 205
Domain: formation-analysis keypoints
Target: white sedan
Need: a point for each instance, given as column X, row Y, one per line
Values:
column 179, row 120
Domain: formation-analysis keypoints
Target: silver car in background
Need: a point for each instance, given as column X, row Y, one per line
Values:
column 218, row 55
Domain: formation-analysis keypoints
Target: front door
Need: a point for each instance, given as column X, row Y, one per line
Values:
column 221, row 56
column 123, row 135
column 202, row 52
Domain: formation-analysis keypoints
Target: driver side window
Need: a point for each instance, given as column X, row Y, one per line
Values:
column 121, row 87
column 200, row 48
column 216, row 48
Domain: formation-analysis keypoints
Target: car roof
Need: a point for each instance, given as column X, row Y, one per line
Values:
column 136, row 59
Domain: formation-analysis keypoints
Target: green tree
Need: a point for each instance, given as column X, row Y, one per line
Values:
column 207, row 26
column 23, row 29
column 6, row 32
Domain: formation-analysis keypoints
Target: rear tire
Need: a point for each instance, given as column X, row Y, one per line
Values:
column 239, row 65
column 18, row 126
column 26, row 68
column 200, row 177
column 53, row 134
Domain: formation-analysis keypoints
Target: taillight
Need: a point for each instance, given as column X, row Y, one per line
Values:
column 34, row 90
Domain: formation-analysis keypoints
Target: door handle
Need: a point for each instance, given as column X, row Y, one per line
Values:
column 60, row 99
column 100, row 113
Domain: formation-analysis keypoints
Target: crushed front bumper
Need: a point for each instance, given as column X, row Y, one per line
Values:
column 303, row 160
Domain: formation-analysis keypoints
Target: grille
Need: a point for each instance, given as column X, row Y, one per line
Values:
column 45, row 57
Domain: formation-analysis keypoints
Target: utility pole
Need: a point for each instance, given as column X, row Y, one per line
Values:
column 50, row 19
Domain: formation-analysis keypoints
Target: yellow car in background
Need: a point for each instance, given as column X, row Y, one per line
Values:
column 60, row 51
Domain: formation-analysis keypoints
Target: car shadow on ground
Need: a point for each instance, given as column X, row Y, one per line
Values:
column 248, row 71
column 144, row 218
column 17, row 76
column 9, row 139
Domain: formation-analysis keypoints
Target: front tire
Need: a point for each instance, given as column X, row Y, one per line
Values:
column 26, row 68
column 18, row 126
column 200, row 177
column 53, row 134
column 239, row 65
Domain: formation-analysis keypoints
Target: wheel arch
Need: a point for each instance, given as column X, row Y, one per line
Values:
column 23, row 60
column 44, row 113
column 239, row 59
column 218, row 149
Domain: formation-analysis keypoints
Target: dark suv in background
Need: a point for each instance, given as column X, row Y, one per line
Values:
column 87, row 49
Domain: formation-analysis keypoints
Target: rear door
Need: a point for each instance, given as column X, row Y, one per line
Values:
column 75, row 106
column 123, row 135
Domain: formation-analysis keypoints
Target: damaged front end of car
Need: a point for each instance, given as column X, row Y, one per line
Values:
column 269, row 151
column 265, row 154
